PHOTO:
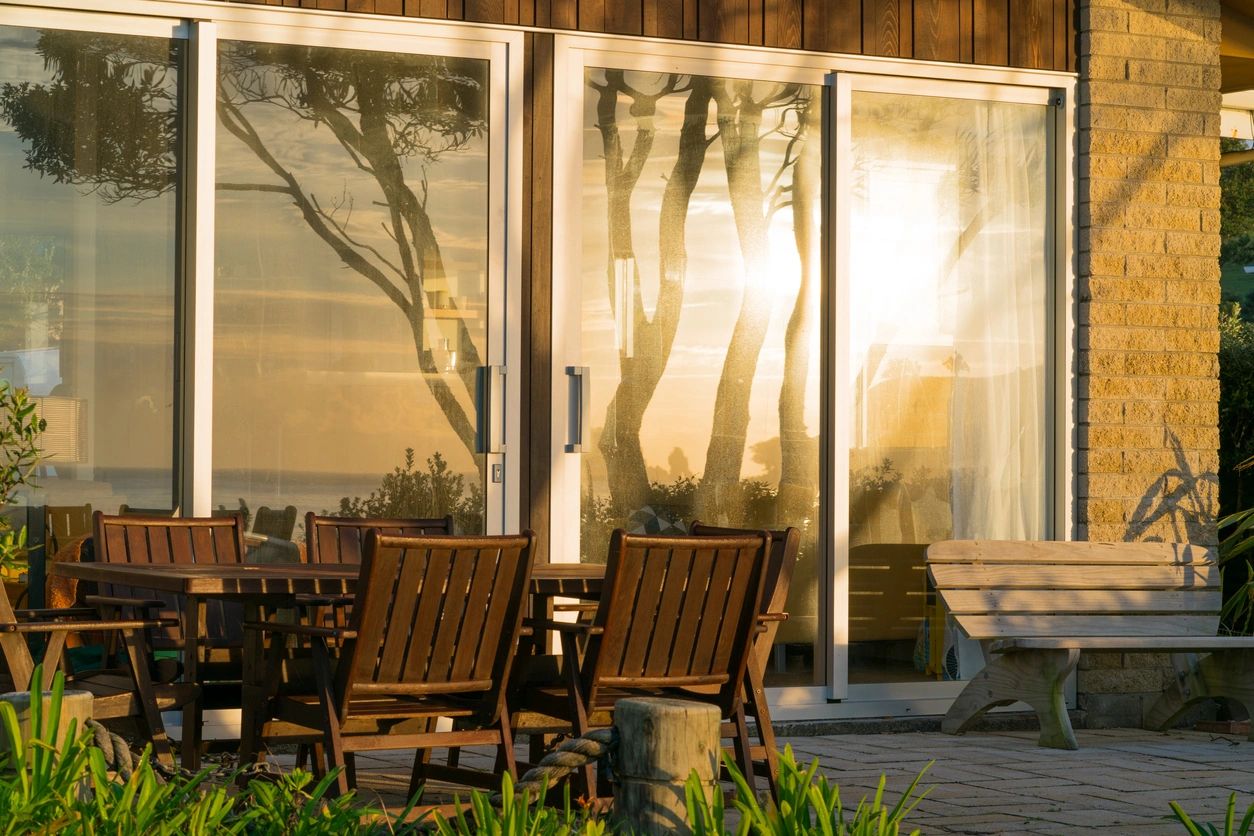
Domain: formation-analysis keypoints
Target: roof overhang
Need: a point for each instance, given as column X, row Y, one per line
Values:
column 1236, row 50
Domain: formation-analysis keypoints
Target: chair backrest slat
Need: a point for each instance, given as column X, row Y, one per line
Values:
column 166, row 540
column 640, row 642
column 437, row 613
column 342, row 539
column 782, row 560
column 63, row 523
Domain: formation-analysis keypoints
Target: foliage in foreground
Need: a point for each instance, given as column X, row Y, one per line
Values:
column 808, row 804
column 1230, row 827
column 20, row 427
column 51, row 783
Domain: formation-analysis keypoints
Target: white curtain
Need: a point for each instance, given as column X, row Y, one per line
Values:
column 998, row 408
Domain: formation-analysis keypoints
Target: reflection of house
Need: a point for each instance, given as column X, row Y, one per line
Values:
column 1015, row 310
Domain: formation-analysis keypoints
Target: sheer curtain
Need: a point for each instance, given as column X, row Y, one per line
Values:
column 998, row 409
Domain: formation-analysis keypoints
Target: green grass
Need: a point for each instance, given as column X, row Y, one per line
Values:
column 1236, row 282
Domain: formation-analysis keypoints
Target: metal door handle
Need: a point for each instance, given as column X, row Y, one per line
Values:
column 580, row 407
column 489, row 393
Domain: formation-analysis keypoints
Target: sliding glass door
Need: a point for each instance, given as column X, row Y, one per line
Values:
column 948, row 262
column 351, row 281
column 245, row 271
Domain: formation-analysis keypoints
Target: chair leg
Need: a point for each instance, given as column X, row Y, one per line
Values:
column 419, row 774
column 743, row 749
column 330, row 720
column 505, row 760
column 766, row 734
column 150, row 717
column 578, row 711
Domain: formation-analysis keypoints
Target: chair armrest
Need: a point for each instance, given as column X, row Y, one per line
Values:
column 590, row 606
column 117, row 601
column 301, row 630
column 311, row 600
column 65, row 612
column 767, row 617
column 563, row 626
column 62, row 626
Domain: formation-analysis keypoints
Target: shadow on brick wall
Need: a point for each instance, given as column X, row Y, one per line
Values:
column 1180, row 506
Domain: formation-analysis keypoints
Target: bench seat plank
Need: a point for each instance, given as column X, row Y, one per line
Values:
column 977, row 601
column 1132, row 644
column 959, row 576
column 1077, row 553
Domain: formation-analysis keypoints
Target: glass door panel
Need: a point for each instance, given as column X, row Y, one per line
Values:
column 949, row 252
column 90, row 153
column 351, row 281
column 698, row 302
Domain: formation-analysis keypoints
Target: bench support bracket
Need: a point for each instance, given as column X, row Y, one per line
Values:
column 1035, row 677
column 1223, row 675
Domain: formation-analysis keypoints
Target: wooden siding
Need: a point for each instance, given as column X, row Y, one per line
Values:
column 1035, row 34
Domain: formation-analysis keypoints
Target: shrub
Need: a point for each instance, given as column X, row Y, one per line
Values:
column 409, row 492
column 20, row 428
column 808, row 804
column 1231, row 828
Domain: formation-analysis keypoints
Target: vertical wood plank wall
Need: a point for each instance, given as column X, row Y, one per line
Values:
column 1035, row 34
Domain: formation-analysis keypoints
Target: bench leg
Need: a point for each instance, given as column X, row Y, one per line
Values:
column 1223, row 675
column 1032, row 676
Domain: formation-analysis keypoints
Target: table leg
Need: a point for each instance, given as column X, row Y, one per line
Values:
column 253, row 691
column 193, row 712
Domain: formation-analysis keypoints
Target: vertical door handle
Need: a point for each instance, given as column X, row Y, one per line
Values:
column 490, row 395
column 580, row 407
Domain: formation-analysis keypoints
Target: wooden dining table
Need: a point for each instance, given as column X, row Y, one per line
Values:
column 269, row 587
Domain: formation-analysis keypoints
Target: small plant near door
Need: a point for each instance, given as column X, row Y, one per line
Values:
column 20, row 428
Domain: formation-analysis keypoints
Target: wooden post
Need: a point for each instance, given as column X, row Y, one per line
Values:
column 75, row 705
column 660, row 742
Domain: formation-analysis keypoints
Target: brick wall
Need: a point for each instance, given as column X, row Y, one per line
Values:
column 1148, row 243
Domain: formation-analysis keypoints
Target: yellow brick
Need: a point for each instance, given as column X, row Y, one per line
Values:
column 1182, row 340
column 1193, row 390
column 1192, row 414
column 1122, row 44
column 1200, row 101
column 1107, row 20
column 1210, row 220
column 1101, row 265
column 1164, row 72
column 1099, row 511
column 1193, row 365
column 1197, row 438
column 1194, row 148
column 1101, row 411
column 1127, row 290
column 1147, row 363
column 1132, row 145
column 1103, row 362
column 1103, row 313
column 1127, row 339
column 1159, row 217
column 1102, row 165
column 1131, row 388
column 1175, row 171
column 1123, row 241
column 1193, row 243
column 1144, row 413
column 1188, row 194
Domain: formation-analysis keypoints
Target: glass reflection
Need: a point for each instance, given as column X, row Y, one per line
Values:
column 89, row 157
column 947, row 333
column 699, row 311
column 351, row 289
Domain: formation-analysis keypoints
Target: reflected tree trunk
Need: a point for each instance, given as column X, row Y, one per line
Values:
column 740, row 128
column 798, row 471
column 651, row 337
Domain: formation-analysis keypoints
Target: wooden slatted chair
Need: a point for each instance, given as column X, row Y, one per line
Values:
column 781, row 559
column 275, row 522
column 342, row 539
column 677, row 617
column 168, row 540
column 127, row 693
column 63, row 523
column 433, row 633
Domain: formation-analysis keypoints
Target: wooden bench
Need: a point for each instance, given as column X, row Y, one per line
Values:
column 1034, row 606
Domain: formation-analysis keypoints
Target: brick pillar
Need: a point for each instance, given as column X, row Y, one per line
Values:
column 1148, row 244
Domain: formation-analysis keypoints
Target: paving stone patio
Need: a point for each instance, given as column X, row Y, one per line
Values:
column 1120, row 781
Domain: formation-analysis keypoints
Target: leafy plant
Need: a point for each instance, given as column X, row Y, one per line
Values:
column 1231, row 828
column 409, row 492
column 1234, row 552
column 808, row 804
column 518, row 815
column 20, row 428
